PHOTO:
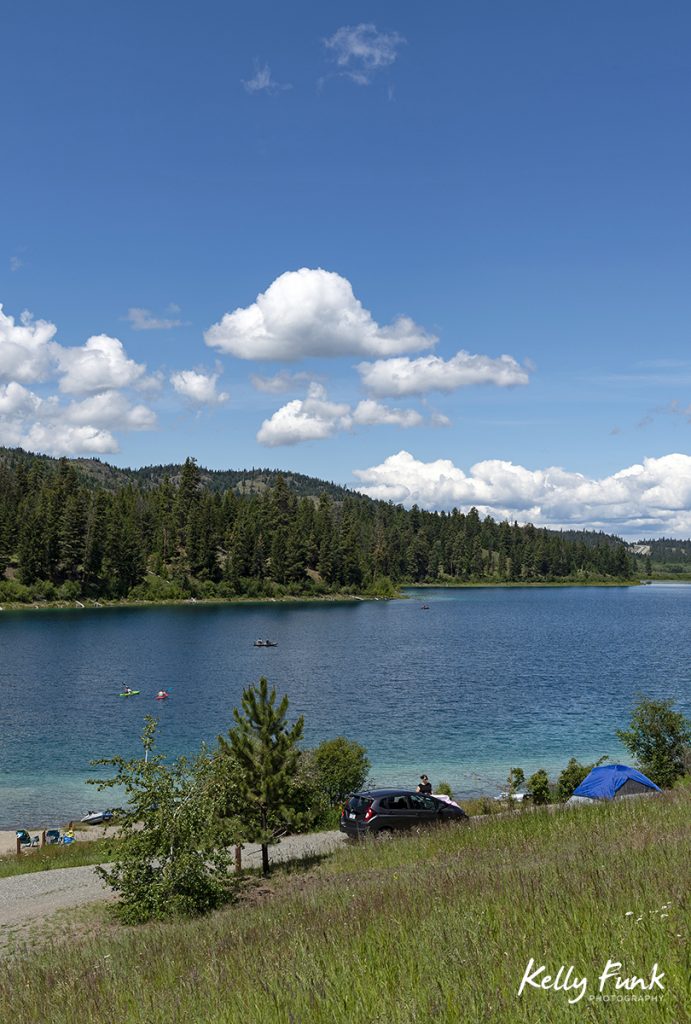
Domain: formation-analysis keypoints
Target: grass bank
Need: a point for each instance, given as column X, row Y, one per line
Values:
column 437, row 927
column 75, row 855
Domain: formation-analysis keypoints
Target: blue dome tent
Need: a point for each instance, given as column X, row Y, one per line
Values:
column 613, row 780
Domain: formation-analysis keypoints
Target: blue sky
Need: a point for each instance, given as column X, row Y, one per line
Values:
column 512, row 179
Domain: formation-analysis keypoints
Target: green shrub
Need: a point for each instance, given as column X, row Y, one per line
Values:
column 69, row 591
column 444, row 787
column 658, row 737
column 343, row 765
column 13, row 590
column 538, row 786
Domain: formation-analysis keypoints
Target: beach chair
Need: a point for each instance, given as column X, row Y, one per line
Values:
column 53, row 836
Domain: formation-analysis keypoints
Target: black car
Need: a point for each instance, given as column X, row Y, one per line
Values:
column 386, row 810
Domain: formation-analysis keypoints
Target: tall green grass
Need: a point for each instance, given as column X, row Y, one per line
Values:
column 94, row 851
column 436, row 927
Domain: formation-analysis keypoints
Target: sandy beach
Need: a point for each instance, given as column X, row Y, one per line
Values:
column 8, row 838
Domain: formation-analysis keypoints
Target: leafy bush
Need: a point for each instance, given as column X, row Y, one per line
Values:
column 444, row 787
column 658, row 737
column 343, row 765
column 69, row 591
column 154, row 588
column 13, row 590
column 538, row 786
column 172, row 855
column 572, row 776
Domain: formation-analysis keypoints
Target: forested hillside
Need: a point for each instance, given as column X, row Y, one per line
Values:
column 65, row 535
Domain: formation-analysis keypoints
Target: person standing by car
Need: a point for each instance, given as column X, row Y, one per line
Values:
column 425, row 786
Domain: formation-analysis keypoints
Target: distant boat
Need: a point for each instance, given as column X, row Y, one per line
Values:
column 266, row 643
column 96, row 817
column 162, row 695
column 129, row 693
column 424, row 607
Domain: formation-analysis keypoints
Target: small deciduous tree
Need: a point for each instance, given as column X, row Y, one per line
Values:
column 172, row 855
column 572, row 776
column 343, row 765
column 538, row 786
column 514, row 781
column 658, row 737
column 265, row 752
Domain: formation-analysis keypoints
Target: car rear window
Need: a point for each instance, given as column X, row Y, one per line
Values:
column 358, row 803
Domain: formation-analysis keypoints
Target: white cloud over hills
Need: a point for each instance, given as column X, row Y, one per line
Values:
column 404, row 376
column 100, row 369
column 312, row 313
column 650, row 498
column 315, row 418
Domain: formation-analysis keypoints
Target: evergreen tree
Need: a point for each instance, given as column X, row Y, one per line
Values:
column 266, row 752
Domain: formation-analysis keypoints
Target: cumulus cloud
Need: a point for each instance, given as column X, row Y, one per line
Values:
column 109, row 409
column 17, row 400
column 309, row 419
column 99, row 369
column 262, row 81
column 653, row 497
column 26, row 348
column 280, row 382
column 100, row 364
column 315, row 418
column 61, row 439
column 404, row 376
column 144, row 320
column 198, row 387
column 16, row 263
column 369, row 413
column 361, row 50
column 311, row 313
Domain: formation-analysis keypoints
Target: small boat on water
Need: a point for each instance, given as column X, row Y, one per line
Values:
column 424, row 607
column 129, row 693
column 162, row 695
column 96, row 817
column 266, row 643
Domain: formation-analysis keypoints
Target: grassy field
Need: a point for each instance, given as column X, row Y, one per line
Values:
column 435, row 927
column 96, row 851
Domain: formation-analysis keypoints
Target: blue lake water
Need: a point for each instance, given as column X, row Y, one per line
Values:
column 484, row 680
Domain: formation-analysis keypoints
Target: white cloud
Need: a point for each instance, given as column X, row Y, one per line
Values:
column 263, row 82
column 315, row 418
column 360, row 50
column 100, row 364
column 650, row 498
column 369, row 413
column 25, row 348
column 109, row 409
column 61, row 439
column 280, row 382
column 17, row 400
column 309, row 419
column 144, row 320
column 403, row 376
column 311, row 313
column 16, row 263
column 198, row 387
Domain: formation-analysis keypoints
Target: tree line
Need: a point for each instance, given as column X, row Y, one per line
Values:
column 64, row 537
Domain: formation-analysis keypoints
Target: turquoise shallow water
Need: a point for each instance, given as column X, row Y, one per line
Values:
column 484, row 680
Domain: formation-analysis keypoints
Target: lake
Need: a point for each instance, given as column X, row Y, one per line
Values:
column 486, row 679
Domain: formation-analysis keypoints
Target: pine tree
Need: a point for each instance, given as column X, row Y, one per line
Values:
column 266, row 753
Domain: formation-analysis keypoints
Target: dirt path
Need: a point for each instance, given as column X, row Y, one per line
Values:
column 27, row 900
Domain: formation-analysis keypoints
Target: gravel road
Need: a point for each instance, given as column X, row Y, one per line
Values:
column 35, row 896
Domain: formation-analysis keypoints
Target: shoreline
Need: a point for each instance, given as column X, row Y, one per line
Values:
column 92, row 604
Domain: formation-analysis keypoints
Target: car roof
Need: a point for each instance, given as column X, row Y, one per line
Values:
column 384, row 792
